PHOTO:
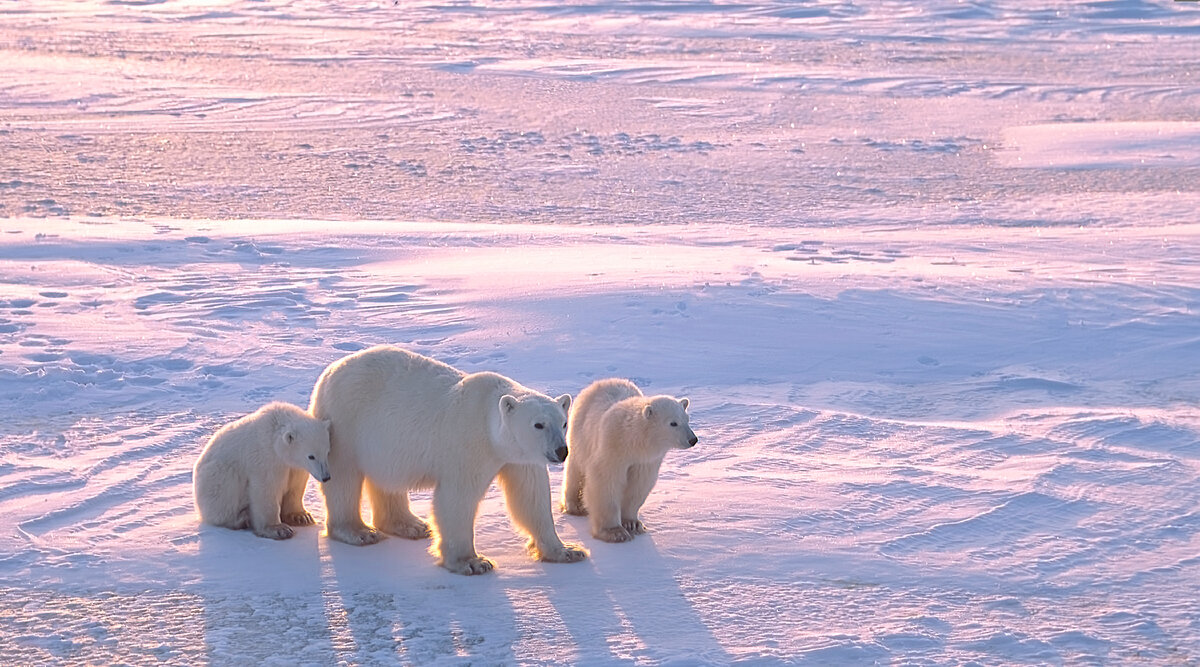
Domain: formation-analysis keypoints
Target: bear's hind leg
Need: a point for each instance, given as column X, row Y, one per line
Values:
column 291, row 510
column 265, row 495
column 221, row 496
column 641, row 480
column 391, row 514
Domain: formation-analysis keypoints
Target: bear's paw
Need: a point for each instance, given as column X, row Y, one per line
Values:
column 417, row 530
column 275, row 531
column 574, row 508
column 634, row 526
column 359, row 537
column 613, row 534
column 300, row 518
column 569, row 553
column 474, row 565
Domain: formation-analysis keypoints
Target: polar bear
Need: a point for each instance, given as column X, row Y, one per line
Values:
column 252, row 472
column 403, row 421
column 618, row 438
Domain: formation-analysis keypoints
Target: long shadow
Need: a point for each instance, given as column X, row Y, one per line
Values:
column 261, row 598
column 390, row 602
column 627, row 606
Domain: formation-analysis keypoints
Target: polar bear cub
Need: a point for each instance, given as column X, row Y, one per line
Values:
column 617, row 440
column 403, row 421
column 253, row 472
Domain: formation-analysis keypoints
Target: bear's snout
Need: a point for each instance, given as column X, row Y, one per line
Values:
column 320, row 472
column 560, row 455
column 692, row 441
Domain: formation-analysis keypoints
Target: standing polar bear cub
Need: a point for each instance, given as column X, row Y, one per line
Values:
column 403, row 421
column 252, row 473
column 618, row 438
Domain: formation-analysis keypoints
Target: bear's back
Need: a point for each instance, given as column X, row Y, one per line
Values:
column 590, row 408
column 384, row 373
column 601, row 395
column 252, row 436
column 617, row 389
column 404, row 419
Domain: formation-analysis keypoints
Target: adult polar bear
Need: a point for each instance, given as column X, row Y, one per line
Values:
column 402, row 421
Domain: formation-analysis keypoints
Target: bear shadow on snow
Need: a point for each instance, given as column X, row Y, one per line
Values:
column 397, row 602
column 253, row 588
column 391, row 600
column 348, row 603
column 630, row 588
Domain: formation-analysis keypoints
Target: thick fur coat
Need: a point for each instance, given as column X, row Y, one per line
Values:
column 618, row 438
column 403, row 421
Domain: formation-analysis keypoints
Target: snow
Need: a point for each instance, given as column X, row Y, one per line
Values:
column 1105, row 144
column 927, row 272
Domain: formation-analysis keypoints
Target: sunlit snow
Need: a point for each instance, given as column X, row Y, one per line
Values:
column 927, row 272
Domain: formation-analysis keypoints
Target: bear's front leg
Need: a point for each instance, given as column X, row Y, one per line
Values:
column 291, row 510
column 265, row 495
column 602, row 496
column 343, row 513
column 455, row 504
column 527, row 496
column 640, row 481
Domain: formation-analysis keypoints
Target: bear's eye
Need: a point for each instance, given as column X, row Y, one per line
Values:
column 564, row 426
column 539, row 426
column 311, row 457
column 674, row 423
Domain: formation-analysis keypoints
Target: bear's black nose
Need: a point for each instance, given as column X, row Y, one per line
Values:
column 692, row 441
column 560, row 454
column 326, row 478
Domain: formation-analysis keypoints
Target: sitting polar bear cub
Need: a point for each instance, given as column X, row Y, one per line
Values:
column 618, row 439
column 252, row 473
column 403, row 421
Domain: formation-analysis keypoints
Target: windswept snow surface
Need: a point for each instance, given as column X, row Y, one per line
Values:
column 927, row 270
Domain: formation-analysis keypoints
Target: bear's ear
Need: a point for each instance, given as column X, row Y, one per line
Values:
column 289, row 437
column 507, row 404
column 564, row 402
column 647, row 411
column 684, row 403
column 328, row 424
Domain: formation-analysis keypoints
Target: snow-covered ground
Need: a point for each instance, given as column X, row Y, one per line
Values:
column 928, row 272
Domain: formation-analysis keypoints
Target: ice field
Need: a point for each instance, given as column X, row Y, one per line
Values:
column 927, row 271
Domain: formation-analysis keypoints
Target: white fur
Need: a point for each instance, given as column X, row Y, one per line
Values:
column 252, row 472
column 403, row 421
column 618, row 438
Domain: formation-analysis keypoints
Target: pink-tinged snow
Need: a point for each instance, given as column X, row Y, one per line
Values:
column 1135, row 144
column 926, row 270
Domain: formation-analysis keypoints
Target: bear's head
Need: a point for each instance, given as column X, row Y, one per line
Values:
column 668, row 419
column 304, row 443
column 533, row 428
